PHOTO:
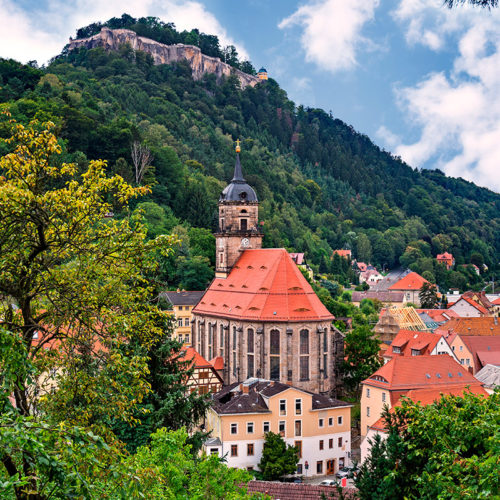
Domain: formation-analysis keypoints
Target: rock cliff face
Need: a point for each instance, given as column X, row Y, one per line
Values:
column 164, row 54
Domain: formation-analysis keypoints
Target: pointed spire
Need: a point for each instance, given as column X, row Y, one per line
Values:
column 238, row 174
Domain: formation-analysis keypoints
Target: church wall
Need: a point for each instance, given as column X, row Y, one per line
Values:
column 236, row 354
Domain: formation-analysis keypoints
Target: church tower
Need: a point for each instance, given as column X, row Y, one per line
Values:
column 238, row 221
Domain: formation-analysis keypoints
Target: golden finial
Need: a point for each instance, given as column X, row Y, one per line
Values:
column 238, row 149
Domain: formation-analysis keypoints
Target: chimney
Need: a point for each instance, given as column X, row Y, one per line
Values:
column 178, row 290
column 271, row 384
column 244, row 388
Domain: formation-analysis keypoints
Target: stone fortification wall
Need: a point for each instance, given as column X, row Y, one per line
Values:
column 164, row 54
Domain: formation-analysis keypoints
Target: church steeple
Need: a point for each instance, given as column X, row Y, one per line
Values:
column 238, row 221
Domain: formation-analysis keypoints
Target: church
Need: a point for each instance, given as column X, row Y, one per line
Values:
column 259, row 313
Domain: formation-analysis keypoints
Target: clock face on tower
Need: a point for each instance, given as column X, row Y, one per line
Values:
column 245, row 242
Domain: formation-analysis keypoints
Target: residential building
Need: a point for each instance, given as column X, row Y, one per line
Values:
column 446, row 259
column 406, row 373
column 300, row 260
column 387, row 298
column 410, row 285
column 182, row 305
column 242, row 413
column 485, row 301
column 205, row 377
column 465, row 307
column 260, row 313
column 345, row 254
column 412, row 343
column 476, row 351
column 470, row 326
column 422, row 396
column 370, row 276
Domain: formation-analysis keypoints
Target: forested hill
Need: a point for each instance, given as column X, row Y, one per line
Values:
column 321, row 184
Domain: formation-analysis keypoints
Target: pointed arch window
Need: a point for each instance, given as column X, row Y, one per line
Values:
column 274, row 354
column 304, row 355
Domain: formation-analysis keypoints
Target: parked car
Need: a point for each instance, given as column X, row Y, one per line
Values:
column 328, row 482
column 344, row 472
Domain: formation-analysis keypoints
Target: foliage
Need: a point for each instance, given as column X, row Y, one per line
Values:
column 448, row 449
column 480, row 3
column 361, row 357
column 171, row 471
column 428, row 296
column 278, row 459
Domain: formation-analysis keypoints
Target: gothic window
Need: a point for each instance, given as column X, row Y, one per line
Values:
column 210, row 340
column 221, row 343
column 250, row 342
column 234, row 350
column 250, row 365
column 274, row 352
column 304, row 355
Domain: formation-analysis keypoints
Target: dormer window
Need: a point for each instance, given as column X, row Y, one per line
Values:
column 243, row 195
column 396, row 350
column 415, row 352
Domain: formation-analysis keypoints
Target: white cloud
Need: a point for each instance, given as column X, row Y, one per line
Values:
column 332, row 29
column 388, row 138
column 40, row 35
column 457, row 113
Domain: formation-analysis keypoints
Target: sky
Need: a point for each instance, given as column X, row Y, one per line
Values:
column 421, row 80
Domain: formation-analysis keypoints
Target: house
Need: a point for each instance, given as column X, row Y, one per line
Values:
column 370, row 276
column 205, row 377
column 410, row 285
column 422, row 396
column 361, row 266
column 300, row 260
column 412, row 343
column 405, row 373
column 259, row 313
column 242, row 413
column 393, row 319
column 297, row 491
column 476, row 351
column 387, row 298
column 446, row 259
column 345, row 254
column 489, row 375
column 182, row 304
column 465, row 307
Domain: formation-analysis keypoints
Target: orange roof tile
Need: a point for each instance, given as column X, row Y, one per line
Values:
column 408, row 340
column 412, row 281
column 497, row 301
column 217, row 363
column 197, row 359
column 471, row 326
column 444, row 256
column 484, row 349
column 419, row 372
column 439, row 315
column 342, row 253
column 264, row 285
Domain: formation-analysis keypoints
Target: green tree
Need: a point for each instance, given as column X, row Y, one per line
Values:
column 361, row 357
column 278, row 458
column 428, row 296
column 364, row 248
column 194, row 273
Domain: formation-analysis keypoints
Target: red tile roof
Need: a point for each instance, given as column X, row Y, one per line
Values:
column 484, row 349
column 439, row 315
column 197, row 359
column 444, row 256
column 264, row 285
column 292, row 491
column 412, row 281
column 497, row 301
column 419, row 372
column 474, row 304
column 471, row 326
column 342, row 253
column 408, row 340
column 218, row 363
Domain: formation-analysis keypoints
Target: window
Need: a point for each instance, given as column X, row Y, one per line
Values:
column 339, row 420
column 299, row 469
column 250, row 449
column 321, row 444
column 234, row 450
column 221, row 259
column 250, row 340
column 298, row 427
column 367, row 392
column 461, row 348
column 234, row 428
column 282, row 407
column 396, row 350
column 367, row 411
column 221, row 343
column 244, row 224
column 340, row 442
column 281, row 427
column 186, row 338
column 266, row 427
column 298, row 407
column 325, row 366
column 321, row 422
column 462, row 361
column 453, row 348
column 383, row 397
column 234, row 337
column 186, row 321
column 330, row 443
column 250, row 366
column 179, row 322
column 319, row 467
column 274, row 355
column 304, row 355
column 415, row 352
column 330, row 421
column 214, row 451
column 298, row 445
column 249, row 427
column 467, row 361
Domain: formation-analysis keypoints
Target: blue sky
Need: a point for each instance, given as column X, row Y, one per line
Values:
column 420, row 80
